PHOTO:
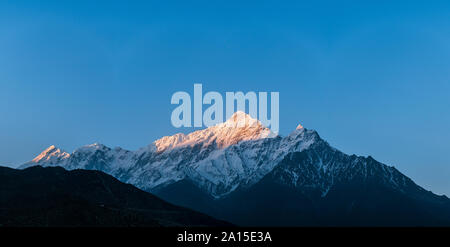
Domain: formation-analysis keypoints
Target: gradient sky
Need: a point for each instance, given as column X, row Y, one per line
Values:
column 372, row 77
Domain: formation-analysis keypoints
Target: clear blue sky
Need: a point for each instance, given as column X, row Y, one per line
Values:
column 372, row 77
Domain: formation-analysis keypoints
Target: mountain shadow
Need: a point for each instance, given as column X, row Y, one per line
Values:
column 56, row 197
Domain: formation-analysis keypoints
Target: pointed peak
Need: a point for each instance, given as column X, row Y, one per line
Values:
column 50, row 152
column 50, row 149
column 239, row 115
column 299, row 130
column 239, row 127
column 241, row 119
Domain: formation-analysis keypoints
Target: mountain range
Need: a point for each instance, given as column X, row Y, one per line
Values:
column 241, row 172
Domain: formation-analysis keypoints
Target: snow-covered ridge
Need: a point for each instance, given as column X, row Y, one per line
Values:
column 52, row 153
column 219, row 159
column 240, row 127
column 49, row 157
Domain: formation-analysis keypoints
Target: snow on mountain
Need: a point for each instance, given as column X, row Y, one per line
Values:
column 52, row 156
column 92, row 157
column 240, row 127
column 100, row 157
column 321, row 167
column 219, row 159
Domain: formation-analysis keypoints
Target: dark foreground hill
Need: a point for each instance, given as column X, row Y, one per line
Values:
column 53, row 196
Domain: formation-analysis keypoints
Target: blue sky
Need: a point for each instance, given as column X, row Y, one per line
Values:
column 372, row 77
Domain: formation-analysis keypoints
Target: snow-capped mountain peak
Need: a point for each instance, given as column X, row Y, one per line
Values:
column 240, row 127
column 241, row 119
column 50, row 156
column 51, row 153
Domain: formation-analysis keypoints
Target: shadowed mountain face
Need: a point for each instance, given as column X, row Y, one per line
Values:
column 53, row 196
column 360, row 192
column 238, row 171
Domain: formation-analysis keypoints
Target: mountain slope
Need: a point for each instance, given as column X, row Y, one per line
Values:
column 53, row 196
column 322, row 186
column 218, row 159
column 239, row 171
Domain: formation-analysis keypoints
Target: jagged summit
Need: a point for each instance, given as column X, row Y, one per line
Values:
column 51, row 155
column 240, row 127
column 240, row 120
column 52, row 147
